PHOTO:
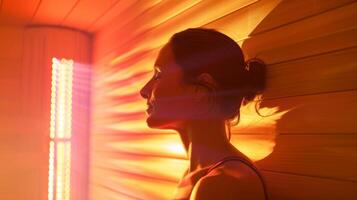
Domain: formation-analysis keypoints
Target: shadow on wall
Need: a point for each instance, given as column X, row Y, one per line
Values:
column 315, row 145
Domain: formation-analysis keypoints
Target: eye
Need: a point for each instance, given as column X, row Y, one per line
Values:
column 156, row 76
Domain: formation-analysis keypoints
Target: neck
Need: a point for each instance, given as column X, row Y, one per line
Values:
column 205, row 142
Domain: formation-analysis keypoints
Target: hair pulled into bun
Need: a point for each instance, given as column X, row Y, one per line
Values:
column 202, row 50
column 256, row 71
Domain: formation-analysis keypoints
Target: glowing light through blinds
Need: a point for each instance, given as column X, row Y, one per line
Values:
column 59, row 178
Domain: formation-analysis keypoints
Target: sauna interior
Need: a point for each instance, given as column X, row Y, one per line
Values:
column 72, row 121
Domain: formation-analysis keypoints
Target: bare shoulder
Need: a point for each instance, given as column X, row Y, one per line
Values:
column 229, row 181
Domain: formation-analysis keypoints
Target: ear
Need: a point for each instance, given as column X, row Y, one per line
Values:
column 205, row 84
column 207, row 80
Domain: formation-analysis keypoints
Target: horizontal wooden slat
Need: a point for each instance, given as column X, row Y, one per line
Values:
column 84, row 13
column 292, row 10
column 123, row 16
column 158, row 13
column 139, row 187
column 328, row 113
column 293, row 187
column 51, row 12
column 322, row 73
column 116, row 11
column 295, row 39
column 245, row 27
column 102, row 191
column 160, row 145
column 327, row 23
column 311, row 47
column 159, row 35
column 327, row 156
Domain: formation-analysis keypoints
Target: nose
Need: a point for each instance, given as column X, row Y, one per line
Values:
column 145, row 91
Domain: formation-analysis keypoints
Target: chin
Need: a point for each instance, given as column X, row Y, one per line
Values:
column 156, row 123
column 153, row 122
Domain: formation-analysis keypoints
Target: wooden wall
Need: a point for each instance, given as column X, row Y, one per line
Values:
column 310, row 47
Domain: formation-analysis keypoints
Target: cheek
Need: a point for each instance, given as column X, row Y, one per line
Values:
column 172, row 100
column 172, row 111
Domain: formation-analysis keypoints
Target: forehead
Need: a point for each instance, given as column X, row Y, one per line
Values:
column 165, row 58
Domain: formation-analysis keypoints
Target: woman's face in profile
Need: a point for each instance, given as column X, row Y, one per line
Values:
column 170, row 100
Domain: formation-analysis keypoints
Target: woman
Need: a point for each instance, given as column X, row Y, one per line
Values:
column 200, row 81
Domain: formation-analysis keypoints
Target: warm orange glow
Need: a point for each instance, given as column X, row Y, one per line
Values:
column 132, row 161
column 260, row 144
column 142, row 157
column 165, row 145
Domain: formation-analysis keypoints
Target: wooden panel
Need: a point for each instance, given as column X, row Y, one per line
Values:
column 334, row 21
column 292, row 10
column 53, row 12
column 159, row 35
column 293, row 49
column 310, row 47
column 321, row 113
column 122, row 15
column 262, row 16
column 326, row 156
column 337, row 67
column 131, row 27
column 98, row 191
column 132, row 185
column 103, row 191
column 336, row 71
column 144, row 166
column 86, row 12
column 294, row 187
column 17, row 11
column 276, row 32
column 116, row 10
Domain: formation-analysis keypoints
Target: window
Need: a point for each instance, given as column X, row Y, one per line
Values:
column 59, row 174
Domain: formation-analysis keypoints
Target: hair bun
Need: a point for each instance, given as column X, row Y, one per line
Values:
column 256, row 71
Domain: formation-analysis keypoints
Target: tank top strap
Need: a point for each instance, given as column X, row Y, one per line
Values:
column 245, row 161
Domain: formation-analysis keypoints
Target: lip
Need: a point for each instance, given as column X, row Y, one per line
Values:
column 150, row 108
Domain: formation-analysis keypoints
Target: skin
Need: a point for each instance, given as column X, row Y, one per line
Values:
column 188, row 109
